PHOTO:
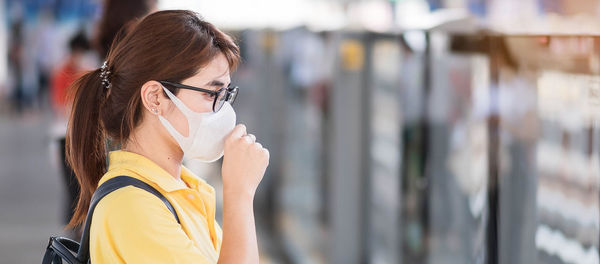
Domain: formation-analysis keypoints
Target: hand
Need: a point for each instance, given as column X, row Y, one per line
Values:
column 244, row 162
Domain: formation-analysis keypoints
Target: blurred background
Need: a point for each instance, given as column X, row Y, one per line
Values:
column 406, row 131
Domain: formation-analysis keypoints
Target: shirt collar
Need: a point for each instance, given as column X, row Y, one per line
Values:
column 190, row 178
column 151, row 171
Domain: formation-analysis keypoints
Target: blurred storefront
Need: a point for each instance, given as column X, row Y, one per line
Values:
column 429, row 146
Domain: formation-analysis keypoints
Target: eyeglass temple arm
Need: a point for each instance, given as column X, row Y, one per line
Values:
column 183, row 86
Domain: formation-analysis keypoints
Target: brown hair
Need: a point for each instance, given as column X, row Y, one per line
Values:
column 167, row 45
column 116, row 18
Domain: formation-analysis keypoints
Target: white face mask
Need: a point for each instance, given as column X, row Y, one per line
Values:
column 206, row 131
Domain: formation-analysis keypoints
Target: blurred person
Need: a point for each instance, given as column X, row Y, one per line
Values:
column 72, row 68
column 15, row 62
column 518, row 177
column 117, row 14
column 45, row 58
column 147, row 98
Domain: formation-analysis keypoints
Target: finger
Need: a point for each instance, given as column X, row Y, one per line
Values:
column 266, row 154
column 248, row 138
column 252, row 137
column 258, row 145
column 238, row 131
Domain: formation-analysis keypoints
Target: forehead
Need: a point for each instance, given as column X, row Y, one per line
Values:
column 217, row 69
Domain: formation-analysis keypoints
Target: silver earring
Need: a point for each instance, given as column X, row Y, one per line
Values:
column 155, row 111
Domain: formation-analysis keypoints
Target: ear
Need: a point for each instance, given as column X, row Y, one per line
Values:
column 152, row 97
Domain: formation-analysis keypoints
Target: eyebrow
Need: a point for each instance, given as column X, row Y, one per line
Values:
column 216, row 83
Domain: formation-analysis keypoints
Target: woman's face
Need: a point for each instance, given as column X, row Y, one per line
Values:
column 213, row 76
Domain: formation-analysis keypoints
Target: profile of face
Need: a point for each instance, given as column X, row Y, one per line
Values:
column 214, row 76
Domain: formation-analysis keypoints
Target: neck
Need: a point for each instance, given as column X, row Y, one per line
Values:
column 149, row 144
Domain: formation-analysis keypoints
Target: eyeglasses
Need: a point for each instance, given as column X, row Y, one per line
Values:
column 225, row 94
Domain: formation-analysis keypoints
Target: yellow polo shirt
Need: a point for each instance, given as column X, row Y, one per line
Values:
column 131, row 225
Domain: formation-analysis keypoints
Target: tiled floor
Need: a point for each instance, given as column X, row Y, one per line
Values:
column 30, row 189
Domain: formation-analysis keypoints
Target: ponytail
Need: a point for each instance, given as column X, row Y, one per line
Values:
column 85, row 147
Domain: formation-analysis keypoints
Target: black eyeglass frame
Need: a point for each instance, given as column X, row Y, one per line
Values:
column 230, row 96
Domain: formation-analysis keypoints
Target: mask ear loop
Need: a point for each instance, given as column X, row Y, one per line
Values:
column 184, row 142
column 174, row 133
column 178, row 102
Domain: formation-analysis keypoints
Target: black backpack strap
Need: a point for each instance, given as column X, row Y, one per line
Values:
column 104, row 189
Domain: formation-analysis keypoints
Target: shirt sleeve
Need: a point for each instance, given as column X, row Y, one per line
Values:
column 132, row 225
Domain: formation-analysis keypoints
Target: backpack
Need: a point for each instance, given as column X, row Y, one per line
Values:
column 64, row 250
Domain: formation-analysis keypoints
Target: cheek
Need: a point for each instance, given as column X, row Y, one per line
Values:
column 197, row 102
column 205, row 107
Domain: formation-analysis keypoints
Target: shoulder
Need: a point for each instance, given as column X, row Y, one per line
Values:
column 130, row 205
column 132, row 225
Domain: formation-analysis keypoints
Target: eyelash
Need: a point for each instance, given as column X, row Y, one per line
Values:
column 211, row 96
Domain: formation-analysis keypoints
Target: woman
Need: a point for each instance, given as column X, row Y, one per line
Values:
column 163, row 94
